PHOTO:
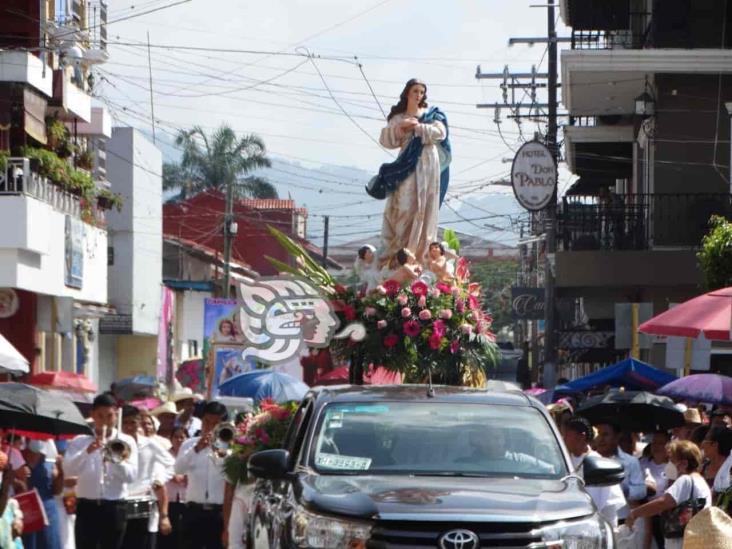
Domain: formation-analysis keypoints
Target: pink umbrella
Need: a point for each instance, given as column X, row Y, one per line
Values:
column 709, row 314
column 535, row 391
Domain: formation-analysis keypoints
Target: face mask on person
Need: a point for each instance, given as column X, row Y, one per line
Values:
column 37, row 446
column 671, row 472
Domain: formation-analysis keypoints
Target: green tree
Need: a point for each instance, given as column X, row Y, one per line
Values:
column 496, row 279
column 217, row 160
column 715, row 256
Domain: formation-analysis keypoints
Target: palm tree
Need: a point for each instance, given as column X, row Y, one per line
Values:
column 219, row 160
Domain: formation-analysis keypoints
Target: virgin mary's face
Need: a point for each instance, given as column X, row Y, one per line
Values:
column 368, row 257
column 415, row 95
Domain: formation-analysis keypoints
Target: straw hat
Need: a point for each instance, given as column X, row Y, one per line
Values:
column 182, row 393
column 709, row 529
column 692, row 417
column 166, row 408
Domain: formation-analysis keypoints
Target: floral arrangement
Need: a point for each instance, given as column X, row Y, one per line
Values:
column 265, row 429
column 424, row 332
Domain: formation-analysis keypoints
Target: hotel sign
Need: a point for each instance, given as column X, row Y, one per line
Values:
column 534, row 176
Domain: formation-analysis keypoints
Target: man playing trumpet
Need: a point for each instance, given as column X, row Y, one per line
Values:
column 105, row 464
column 202, row 462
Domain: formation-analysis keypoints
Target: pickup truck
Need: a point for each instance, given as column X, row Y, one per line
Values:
column 411, row 466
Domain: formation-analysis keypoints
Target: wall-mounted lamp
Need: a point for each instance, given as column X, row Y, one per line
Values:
column 645, row 106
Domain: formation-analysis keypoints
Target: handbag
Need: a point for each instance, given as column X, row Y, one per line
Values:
column 674, row 521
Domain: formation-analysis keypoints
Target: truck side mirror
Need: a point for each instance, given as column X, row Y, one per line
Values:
column 600, row 471
column 269, row 464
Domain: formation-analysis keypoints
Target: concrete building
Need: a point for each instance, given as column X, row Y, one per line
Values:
column 645, row 84
column 53, row 249
column 129, row 337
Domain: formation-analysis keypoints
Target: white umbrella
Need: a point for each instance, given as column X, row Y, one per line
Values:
column 11, row 361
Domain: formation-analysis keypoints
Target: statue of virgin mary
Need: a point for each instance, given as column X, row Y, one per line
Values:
column 415, row 184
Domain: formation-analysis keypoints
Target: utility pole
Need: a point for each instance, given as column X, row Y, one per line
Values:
column 152, row 103
column 550, row 333
column 326, row 222
column 230, row 230
column 520, row 98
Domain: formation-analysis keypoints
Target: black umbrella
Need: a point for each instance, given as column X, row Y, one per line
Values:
column 27, row 408
column 632, row 410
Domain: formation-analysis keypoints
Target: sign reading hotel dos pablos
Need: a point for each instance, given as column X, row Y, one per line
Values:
column 534, row 175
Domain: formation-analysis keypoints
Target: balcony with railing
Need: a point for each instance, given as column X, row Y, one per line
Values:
column 19, row 179
column 637, row 221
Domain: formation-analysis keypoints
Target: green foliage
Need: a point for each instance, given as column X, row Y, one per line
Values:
column 715, row 256
column 108, row 200
column 452, row 240
column 4, row 155
column 496, row 279
column 85, row 159
column 306, row 267
column 214, row 161
column 56, row 130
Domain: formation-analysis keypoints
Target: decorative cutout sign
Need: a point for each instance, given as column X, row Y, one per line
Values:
column 9, row 302
column 534, row 176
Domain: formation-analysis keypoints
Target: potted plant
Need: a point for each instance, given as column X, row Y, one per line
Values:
column 65, row 148
column 85, row 160
column 107, row 200
column 56, row 132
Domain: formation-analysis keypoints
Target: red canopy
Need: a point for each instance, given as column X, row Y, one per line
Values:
column 710, row 314
column 63, row 380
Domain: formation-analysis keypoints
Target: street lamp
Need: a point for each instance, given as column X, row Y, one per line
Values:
column 645, row 106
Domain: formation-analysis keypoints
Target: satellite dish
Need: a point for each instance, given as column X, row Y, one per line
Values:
column 74, row 52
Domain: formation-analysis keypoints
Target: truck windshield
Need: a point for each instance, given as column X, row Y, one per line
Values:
column 435, row 438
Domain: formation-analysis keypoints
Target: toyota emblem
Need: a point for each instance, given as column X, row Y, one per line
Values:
column 459, row 539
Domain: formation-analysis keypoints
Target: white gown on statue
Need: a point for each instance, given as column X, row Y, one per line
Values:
column 410, row 215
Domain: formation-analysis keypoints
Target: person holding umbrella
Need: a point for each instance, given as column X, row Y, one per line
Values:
column 607, row 443
column 103, row 484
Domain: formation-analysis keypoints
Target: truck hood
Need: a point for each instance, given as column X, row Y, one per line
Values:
column 442, row 498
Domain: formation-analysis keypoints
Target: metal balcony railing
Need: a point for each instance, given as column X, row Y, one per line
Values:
column 638, row 221
column 19, row 179
column 637, row 36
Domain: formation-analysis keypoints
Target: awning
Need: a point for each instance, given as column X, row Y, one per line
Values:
column 66, row 381
column 11, row 361
column 34, row 115
column 630, row 373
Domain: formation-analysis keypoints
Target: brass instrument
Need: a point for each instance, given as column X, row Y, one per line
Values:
column 223, row 436
column 116, row 450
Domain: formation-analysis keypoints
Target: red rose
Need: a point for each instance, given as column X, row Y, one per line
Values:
column 349, row 312
column 411, row 328
column 419, row 288
column 392, row 287
column 438, row 328
column 391, row 340
column 435, row 341
column 454, row 346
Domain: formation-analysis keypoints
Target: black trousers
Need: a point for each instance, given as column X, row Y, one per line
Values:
column 174, row 540
column 202, row 526
column 100, row 524
column 137, row 536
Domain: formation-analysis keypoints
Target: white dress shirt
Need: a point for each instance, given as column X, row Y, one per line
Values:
column 609, row 500
column 204, row 471
column 723, row 478
column 154, row 464
column 192, row 426
column 99, row 479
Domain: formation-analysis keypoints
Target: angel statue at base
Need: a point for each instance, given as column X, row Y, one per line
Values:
column 415, row 184
column 365, row 268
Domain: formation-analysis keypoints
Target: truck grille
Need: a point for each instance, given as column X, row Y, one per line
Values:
column 423, row 535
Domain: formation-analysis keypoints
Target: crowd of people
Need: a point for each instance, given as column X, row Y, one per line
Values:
column 142, row 480
column 662, row 469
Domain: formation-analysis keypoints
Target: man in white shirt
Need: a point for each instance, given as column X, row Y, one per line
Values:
column 203, row 518
column 185, row 403
column 155, row 468
column 102, row 483
column 608, row 499
column 634, row 483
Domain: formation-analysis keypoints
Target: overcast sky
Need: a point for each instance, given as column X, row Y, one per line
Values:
column 285, row 100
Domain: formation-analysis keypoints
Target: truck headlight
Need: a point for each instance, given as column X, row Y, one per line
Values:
column 588, row 533
column 321, row 532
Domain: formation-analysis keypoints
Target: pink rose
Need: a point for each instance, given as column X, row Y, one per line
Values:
column 392, row 287
column 466, row 329
column 446, row 314
column 444, row 288
column 419, row 288
column 438, row 328
column 369, row 312
column 460, row 305
column 425, row 314
column 381, row 324
column 436, row 292
column 434, row 342
column 381, row 290
column 454, row 346
column 455, row 291
column 402, row 300
column 422, row 302
column 406, row 312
